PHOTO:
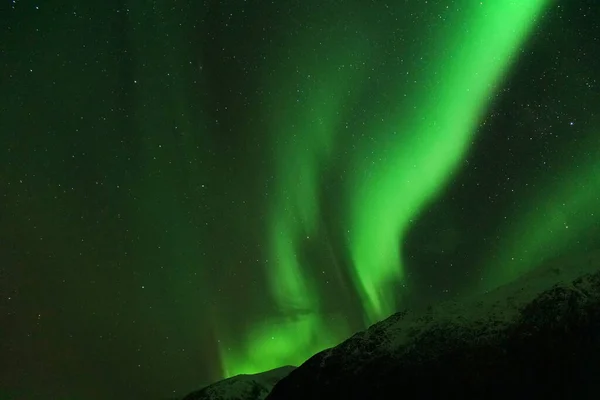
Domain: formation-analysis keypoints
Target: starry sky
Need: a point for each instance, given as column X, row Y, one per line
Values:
column 190, row 190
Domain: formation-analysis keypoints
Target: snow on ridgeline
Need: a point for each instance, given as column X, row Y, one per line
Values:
column 483, row 313
column 242, row 387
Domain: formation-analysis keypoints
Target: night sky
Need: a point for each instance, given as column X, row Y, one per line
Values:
column 190, row 190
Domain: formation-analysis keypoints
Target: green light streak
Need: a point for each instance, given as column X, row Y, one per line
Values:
column 307, row 95
column 474, row 51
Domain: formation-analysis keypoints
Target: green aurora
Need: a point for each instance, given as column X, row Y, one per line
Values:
column 195, row 190
column 393, row 179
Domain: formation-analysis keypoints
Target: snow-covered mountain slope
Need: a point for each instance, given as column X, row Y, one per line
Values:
column 242, row 387
column 537, row 336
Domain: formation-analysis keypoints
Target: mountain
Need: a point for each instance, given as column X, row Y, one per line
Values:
column 536, row 337
column 242, row 387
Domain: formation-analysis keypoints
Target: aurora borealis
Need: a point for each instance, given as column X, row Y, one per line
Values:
column 193, row 190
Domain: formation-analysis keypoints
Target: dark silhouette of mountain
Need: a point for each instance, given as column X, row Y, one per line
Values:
column 242, row 387
column 536, row 337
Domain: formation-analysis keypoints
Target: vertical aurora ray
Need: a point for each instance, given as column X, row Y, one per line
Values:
column 304, row 134
column 400, row 174
column 555, row 218
column 306, row 96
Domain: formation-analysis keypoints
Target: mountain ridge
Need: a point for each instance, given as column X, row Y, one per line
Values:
column 541, row 327
column 536, row 335
column 244, row 386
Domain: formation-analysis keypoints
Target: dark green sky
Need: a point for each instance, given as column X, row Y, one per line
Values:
column 192, row 190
